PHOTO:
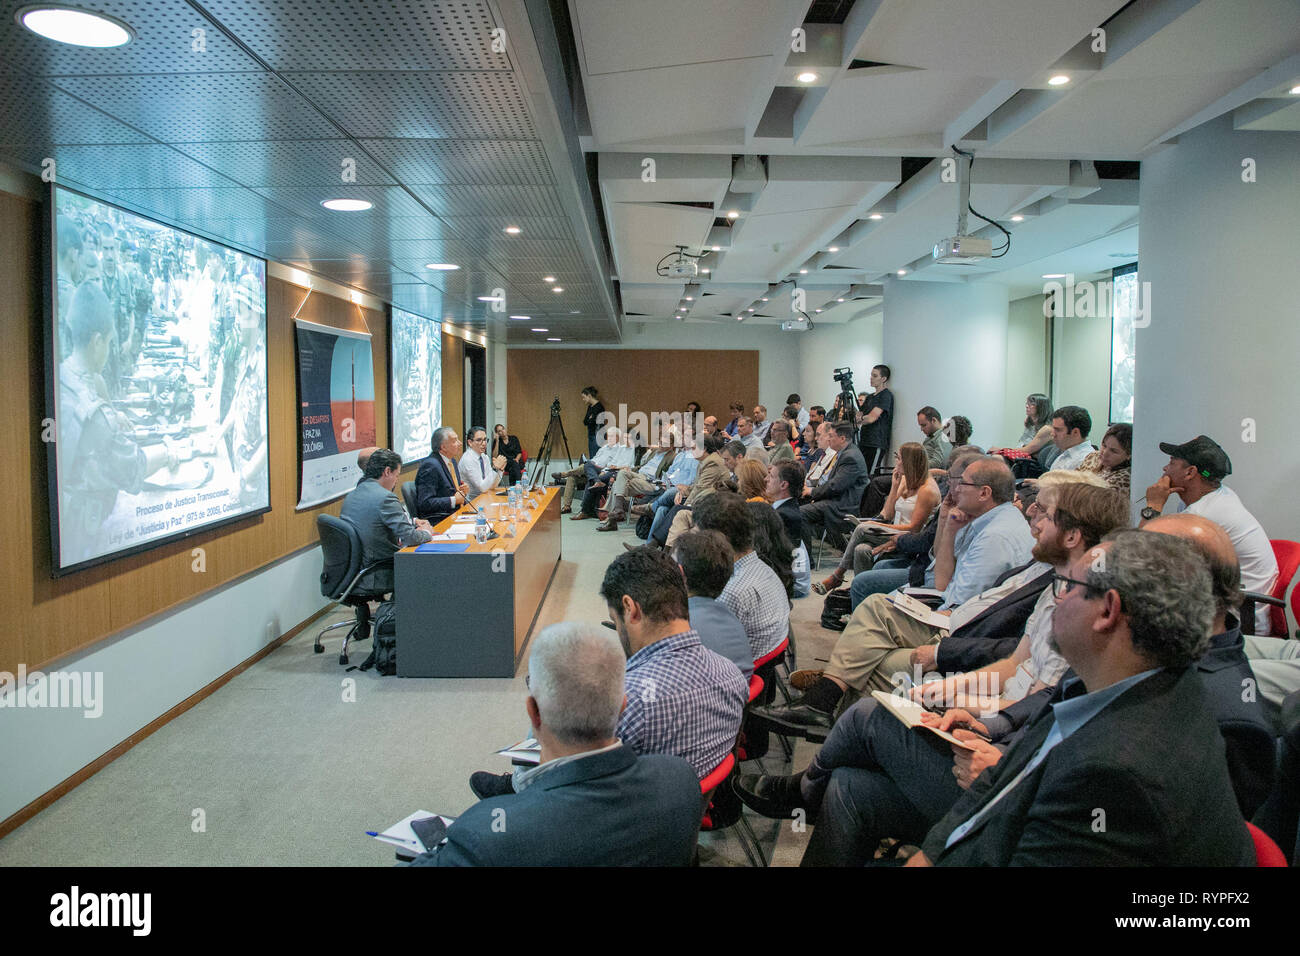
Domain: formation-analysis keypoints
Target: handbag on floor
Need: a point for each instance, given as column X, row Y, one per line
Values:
column 383, row 653
column 838, row 606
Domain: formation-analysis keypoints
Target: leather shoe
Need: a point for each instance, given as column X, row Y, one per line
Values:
column 795, row 717
column 557, row 476
column 804, row 678
column 640, row 510
column 486, row 785
column 609, row 524
column 565, row 511
column 616, row 516
column 773, row 796
column 579, row 516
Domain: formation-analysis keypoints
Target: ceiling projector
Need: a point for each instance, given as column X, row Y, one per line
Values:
column 962, row 249
column 682, row 268
column 796, row 325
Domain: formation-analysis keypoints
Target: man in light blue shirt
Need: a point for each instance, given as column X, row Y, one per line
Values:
column 628, row 484
column 679, row 477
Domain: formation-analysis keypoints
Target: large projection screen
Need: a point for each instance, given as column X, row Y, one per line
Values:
column 416, row 376
column 155, row 382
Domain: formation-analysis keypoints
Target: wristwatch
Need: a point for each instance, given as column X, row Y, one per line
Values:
column 1148, row 513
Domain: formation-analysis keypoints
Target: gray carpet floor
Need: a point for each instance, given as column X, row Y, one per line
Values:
column 276, row 768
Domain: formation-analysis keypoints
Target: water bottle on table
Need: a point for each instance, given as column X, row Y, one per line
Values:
column 480, row 528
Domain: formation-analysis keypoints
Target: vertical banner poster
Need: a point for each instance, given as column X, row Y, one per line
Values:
column 336, row 409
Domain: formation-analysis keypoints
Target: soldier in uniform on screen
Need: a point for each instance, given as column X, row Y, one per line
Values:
column 246, row 421
column 70, row 271
column 98, row 458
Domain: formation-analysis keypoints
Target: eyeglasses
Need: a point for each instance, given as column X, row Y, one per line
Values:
column 1064, row 585
column 970, row 484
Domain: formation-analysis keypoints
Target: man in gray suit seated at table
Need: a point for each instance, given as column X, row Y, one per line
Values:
column 380, row 517
column 591, row 801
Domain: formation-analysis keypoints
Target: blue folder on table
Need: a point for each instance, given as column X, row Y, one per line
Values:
column 442, row 547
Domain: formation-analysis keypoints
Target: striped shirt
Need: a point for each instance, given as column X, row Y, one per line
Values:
column 683, row 700
column 756, row 595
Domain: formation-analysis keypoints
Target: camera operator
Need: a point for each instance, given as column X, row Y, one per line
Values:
column 876, row 418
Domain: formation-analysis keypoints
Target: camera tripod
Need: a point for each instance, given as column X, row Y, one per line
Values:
column 542, row 463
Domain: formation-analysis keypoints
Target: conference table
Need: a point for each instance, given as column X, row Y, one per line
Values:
column 470, row 613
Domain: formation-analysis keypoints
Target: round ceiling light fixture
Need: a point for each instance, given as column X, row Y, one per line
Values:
column 512, row 230
column 75, row 27
column 1017, row 218
column 1060, row 79
column 442, row 266
column 346, row 205
column 807, row 77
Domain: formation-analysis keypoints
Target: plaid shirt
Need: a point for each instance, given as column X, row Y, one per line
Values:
column 756, row 596
column 683, row 700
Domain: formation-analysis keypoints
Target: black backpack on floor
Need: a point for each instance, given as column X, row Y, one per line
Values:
column 383, row 653
column 838, row 606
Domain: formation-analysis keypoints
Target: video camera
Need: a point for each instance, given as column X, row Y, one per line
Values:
column 555, row 407
column 848, row 398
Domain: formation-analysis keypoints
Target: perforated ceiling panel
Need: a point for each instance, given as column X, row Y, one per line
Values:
column 326, row 35
column 234, row 118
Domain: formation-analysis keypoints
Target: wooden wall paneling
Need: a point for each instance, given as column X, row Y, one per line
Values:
column 54, row 618
column 645, row 380
column 453, row 383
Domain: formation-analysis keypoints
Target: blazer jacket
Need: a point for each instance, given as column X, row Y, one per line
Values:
column 435, row 487
column 995, row 632
column 713, row 474
column 609, row 809
column 1143, row 783
column 790, row 515
column 848, row 478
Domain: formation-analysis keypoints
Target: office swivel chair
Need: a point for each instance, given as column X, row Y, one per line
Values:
column 408, row 496
column 341, row 577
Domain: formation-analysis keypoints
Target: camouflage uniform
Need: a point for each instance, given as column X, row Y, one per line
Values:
column 249, row 428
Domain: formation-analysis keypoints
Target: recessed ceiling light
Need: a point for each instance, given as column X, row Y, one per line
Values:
column 346, row 205
column 512, row 230
column 816, row 310
column 1053, row 275
column 442, row 266
column 490, row 298
column 807, row 77
column 732, row 214
column 833, row 249
column 803, row 272
column 681, row 308
column 1017, row 218
column 750, row 309
column 839, row 300
column 902, row 272
column 77, row 27
column 763, row 299
column 554, row 340
column 574, row 312
column 706, row 271
column 1295, row 91
column 541, row 330
column 525, row 317
column 556, row 288
column 690, row 298
column 548, row 278
column 876, row 216
column 1059, row 80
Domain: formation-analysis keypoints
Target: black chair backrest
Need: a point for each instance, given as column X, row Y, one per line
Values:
column 408, row 495
column 340, row 547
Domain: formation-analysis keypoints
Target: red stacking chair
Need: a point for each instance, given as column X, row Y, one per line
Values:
column 1267, row 853
column 1288, row 563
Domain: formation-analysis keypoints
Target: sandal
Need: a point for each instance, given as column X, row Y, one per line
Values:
column 830, row 584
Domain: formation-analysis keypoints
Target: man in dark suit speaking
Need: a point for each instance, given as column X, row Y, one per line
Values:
column 591, row 801
column 1126, row 766
column 438, row 488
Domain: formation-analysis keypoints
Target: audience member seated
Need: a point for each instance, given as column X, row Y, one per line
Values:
column 874, row 650
column 886, row 780
column 751, row 480
column 761, row 425
column 782, row 450
column 735, row 411
column 816, row 415
column 755, row 594
column 507, row 446
column 1070, row 427
column 1195, row 473
column 1114, row 459
column 706, row 560
column 1036, row 440
column 439, row 488
column 810, row 452
column 840, row 490
column 613, row 453
column 801, row 414
column 679, row 477
column 938, row 450
column 913, row 496
column 629, row 484
column 771, row 543
column 753, row 444
column 784, row 486
column 711, row 475
column 380, row 517
column 732, row 455
column 479, row 471
column 591, row 801
column 957, row 430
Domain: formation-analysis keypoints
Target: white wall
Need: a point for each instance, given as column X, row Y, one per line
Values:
column 946, row 343
column 1223, row 342
column 858, row 344
column 1026, row 365
column 151, row 669
column 1081, row 365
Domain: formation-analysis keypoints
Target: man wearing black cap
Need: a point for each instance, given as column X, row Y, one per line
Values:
column 1195, row 473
